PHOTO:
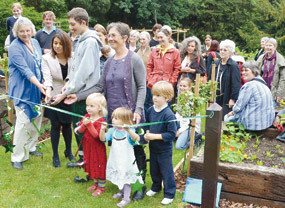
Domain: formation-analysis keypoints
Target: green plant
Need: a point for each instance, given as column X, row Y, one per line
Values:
column 253, row 157
column 269, row 155
column 275, row 166
column 259, row 163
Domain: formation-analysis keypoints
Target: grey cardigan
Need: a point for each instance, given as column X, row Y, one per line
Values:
column 138, row 83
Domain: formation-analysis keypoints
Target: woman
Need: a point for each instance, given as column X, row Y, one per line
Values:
column 212, row 56
column 192, row 63
column 164, row 61
column 102, row 33
column 262, row 45
column 206, row 47
column 228, row 77
column 25, row 83
column 144, row 51
column 55, row 68
column 133, row 40
column 123, row 84
column 272, row 67
column 254, row 106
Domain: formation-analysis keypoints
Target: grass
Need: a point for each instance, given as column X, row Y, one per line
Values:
column 39, row 184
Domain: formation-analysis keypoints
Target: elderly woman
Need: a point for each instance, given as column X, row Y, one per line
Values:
column 272, row 67
column 123, row 84
column 227, row 76
column 55, row 67
column 262, row 45
column 254, row 106
column 144, row 51
column 164, row 61
column 192, row 63
column 25, row 85
column 133, row 40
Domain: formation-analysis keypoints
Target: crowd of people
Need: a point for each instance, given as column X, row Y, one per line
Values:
column 117, row 77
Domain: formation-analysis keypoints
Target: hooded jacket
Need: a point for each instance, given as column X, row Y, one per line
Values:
column 85, row 69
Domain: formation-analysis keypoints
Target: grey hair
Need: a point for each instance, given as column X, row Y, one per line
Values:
column 229, row 44
column 146, row 34
column 184, row 46
column 23, row 21
column 265, row 39
column 273, row 41
column 135, row 33
column 252, row 65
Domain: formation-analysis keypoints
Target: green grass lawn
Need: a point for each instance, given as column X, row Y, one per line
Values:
column 39, row 184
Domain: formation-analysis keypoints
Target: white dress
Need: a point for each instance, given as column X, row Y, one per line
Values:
column 121, row 166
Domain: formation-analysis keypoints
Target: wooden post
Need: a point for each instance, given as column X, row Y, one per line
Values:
column 191, row 148
column 10, row 102
column 213, row 74
column 211, row 156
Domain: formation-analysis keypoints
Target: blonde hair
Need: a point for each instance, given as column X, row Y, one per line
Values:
column 163, row 88
column 23, row 21
column 186, row 79
column 49, row 14
column 99, row 100
column 124, row 114
column 18, row 5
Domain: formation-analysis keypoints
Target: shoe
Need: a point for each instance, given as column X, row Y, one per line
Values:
column 81, row 180
column 166, row 201
column 123, row 203
column 151, row 193
column 69, row 156
column 56, row 162
column 118, row 195
column 99, row 191
column 93, row 187
column 138, row 195
column 78, row 164
column 17, row 165
column 37, row 154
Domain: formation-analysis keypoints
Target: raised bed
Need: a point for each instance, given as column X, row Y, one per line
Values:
column 246, row 182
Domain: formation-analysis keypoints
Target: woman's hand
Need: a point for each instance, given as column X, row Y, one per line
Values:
column 48, row 95
column 64, row 87
column 58, row 98
column 70, row 99
column 137, row 118
column 231, row 103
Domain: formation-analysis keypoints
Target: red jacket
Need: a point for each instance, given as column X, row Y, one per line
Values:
column 164, row 68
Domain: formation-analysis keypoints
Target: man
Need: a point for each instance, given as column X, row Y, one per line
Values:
column 85, row 69
column 45, row 35
column 154, row 41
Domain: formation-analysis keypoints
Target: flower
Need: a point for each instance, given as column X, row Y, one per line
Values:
column 223, row 148
column 232, row 148
column 245, row 156
column 280, row 128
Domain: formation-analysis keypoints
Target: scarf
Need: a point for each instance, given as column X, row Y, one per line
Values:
column 162, row 51
column 268, row 73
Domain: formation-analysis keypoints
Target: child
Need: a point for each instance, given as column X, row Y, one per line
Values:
column 160, row 137
column 122, row 169
column 17, row 12
column 182, row 132
column 95, row 158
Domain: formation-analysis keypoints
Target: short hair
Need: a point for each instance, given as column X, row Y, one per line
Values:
column 49, row 14
column 99, row 100
column 163, row 88
column 264, row 39
column 100, row 28
column 79, row 14
column 23, row 21
column 214, row 45
column 156, row 26
column 121, row 27
column 145, row 33
column 166, row 30
column 208, row 36
column 252, row 65
column 135, row 33
column 66, row 44
column 18, row 5
column 105, row 49
column 125, row 114
column 229, row 44
column 184, row 46
column 273, row 41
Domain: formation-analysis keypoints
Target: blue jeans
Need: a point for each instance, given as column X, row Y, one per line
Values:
column 182, row 140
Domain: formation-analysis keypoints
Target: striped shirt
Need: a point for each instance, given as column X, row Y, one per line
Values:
column 254, row 107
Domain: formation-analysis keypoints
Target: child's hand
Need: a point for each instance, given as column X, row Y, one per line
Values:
column 103, row 126
column 126, row 127
column 148, row 136
column 86, row 121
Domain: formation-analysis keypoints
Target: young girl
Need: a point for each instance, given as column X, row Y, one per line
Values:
column 95, row 158
column 182, row 132
column 17, row 12
column 122, row 169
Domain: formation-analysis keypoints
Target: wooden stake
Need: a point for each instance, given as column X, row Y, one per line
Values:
column 213, row 74
column 191, row 148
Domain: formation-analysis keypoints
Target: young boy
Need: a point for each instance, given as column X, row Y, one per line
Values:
column 17, row 12
column 160, row 137
column 85, row 69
